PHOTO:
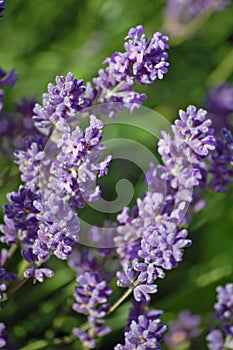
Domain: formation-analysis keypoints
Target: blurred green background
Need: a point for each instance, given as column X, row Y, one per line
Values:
column 42, row 39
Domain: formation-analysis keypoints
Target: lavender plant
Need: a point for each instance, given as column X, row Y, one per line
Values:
column 59, row 163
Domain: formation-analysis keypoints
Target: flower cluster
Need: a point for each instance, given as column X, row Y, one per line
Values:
column 2, row 8
column 142, row 62
column 179, row 13
column 219, row 104
column 157, row 244
column 224, row 313
column 144, row 333
column 77, row 163
column 62, row 101
column 221, row 161
column 91, row 298
column 3, row 336
column 184, row 329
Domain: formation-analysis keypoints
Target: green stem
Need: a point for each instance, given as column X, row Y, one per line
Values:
column 120, row 300
column 223, row 70
column 16, row 286
column 114, row 90
column 193, row 27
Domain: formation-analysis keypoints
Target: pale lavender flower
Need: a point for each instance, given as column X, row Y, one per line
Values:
column 131, row 278
column 183, row 329
column 21, row 222
column 150, row 242
column 61, row 102
column 38, row 274
column 179, row 13
column 5, row 277
column 91, row 296
column 146, row 57
column 142, row 62
column 2, row 8
column 224, row 307
column 221, row 161
column 144, row 333
column 219, row 104
column 3, row 336
column 8, row 78
column 78, row 163
column 32, row 161
column 58, row 228
column 215, row 340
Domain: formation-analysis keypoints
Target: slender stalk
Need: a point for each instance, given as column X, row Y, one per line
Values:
column 120, row 300
column 17, row 285
column 114, row 90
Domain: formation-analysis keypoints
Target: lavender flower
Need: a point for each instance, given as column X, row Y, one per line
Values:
column 221, row 161
column 32, row 161
column 215, row 340
column 183, row 329
column 224, row 307
column 83, row 260
column 219, row 104
column 142, row 62
column 21, row 222
column 61, row 102
column 3, row 336
column 2, row 8
column 38, row 274
column 91, row 298
column 144, row 333
column 9, row 79
column 147, row 58
column 77, row 165
column 5, row 277
column 58, row 228
column 179, row 13
column 138, row 308
column 154, row 242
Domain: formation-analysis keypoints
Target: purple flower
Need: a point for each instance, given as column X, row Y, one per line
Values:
column 58, row 228
column 147, row 58
column 20, row 216
column 215, row 340
column 182, row 329
column 138, row 308
column 38, row 274
column 9, row 79
column 103, row 238
column 144, row 333
column 221, row 161
column 219, row 104
column 61, row 102
column 89, row 338
column 130, row 278
column 9, row 230
column 164, row 246
column 83, row 260
column 150, row 242
column 91, row 296
column 179, row 13
column 142, row 62
column 32, row 161
column 193, row 128
column 77, row 165
column 91, row 292
column 224, row 307
column 4, row 278
column 3, row 336
column 2, row 8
